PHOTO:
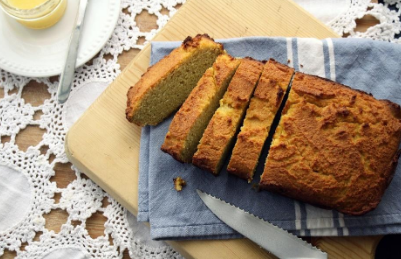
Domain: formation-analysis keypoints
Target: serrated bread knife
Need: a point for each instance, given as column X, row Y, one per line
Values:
column 274, row 239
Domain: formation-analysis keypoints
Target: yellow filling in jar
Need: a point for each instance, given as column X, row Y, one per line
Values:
column 35, row 14
column 25, row 4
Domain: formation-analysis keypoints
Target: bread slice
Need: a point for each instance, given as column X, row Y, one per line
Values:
column 166, row 85
column 334, row 147
column 192, row 118
column 260, row 114
column 216, row 139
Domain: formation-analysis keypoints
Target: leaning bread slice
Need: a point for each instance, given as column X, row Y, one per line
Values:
column 190, row 121
column 217, row 138
column 260, row 114
column 334, row 147
column 166, row 85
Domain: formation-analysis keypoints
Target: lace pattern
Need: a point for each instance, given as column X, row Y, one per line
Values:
column 387, row 14
column 81, row 198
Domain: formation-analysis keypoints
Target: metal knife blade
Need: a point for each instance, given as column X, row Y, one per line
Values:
column 274, row 239
column 67, row 74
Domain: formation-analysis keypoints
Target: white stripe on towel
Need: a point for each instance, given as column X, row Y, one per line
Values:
column 297, row 215
column 310, row 56
column 331, row 60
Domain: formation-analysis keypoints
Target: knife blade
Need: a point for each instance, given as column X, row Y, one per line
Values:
column 67, row 75
column 274, row 239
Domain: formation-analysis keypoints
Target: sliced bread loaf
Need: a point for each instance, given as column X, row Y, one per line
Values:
column 220, row 132
column 259, row 117
column 166, row 85
column 190, row 121
column 334, row 147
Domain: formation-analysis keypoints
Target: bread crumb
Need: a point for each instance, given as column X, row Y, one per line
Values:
column 289, row 61
column 179, row 183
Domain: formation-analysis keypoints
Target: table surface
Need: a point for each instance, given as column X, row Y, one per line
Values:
column 36, row 93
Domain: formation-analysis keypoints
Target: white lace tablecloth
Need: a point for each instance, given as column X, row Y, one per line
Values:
column 26, row 191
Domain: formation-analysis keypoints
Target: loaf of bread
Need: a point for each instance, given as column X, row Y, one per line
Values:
column 220, row 132
column 259, row 117
column 190, row 121
column 334, row 147
column 165, row 86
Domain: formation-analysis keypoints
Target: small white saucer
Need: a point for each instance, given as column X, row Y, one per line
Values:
column 41, row 53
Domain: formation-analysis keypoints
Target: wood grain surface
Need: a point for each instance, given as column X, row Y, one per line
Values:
column 36, row 93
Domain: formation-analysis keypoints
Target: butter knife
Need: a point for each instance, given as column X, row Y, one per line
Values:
column 274, row 239
column 67, row 75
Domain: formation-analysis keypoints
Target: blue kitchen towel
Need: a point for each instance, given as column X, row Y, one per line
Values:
column 371, row 66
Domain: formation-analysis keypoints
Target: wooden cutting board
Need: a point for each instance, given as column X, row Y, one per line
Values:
column 105, row 146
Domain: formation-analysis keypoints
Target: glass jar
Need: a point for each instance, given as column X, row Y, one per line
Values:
column 35, row 14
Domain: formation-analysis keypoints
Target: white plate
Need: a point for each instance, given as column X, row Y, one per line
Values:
column 41, row 53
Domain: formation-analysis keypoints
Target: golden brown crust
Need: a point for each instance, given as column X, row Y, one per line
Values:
column 227, row 118
column 335, row 147
column 190, row 42
column 191, row 119
column 263, row 107
column 159, row 71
